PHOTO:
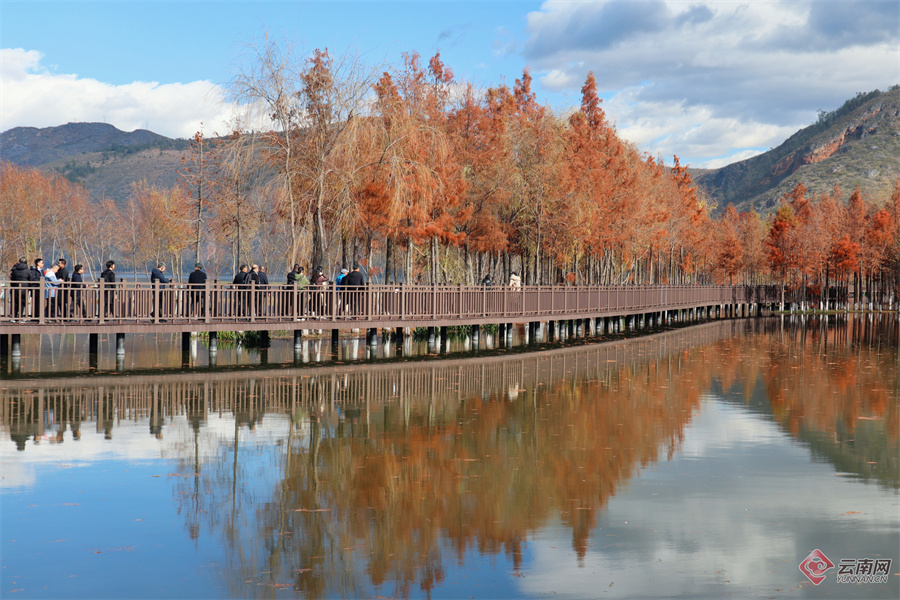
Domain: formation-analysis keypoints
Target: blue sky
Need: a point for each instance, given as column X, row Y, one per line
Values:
column 711, row 81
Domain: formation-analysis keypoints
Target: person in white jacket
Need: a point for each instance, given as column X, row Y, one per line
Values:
column 515, row 281
column 51, row 282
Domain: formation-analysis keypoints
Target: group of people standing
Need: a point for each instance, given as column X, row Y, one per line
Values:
column 347, row 283
column 68, row 301
column 26, row 283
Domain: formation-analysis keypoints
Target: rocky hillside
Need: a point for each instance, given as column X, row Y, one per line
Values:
column 857, row 144
column 103, row 158
column 35, row 147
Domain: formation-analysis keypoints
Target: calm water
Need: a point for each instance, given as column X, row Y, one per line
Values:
column 706, row 462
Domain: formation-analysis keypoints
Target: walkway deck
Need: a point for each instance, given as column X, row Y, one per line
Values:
column 142, row 307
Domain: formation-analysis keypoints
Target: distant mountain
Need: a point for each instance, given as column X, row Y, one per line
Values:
column 103, row 158
column 857, row 144
column 34, row 147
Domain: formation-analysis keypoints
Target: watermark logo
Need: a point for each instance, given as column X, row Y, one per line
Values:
column 815, row 566
column 864, row 570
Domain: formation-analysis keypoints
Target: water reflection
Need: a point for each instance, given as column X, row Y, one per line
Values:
column 385, row 477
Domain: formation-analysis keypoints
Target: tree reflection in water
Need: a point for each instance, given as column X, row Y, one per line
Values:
column 385, row 473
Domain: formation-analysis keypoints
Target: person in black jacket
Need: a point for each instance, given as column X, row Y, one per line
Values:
column 36, row 272
column 262, row 300
column 64, row 293
column 158, row 275
column 77, row 303
column 19, row 277
column 352, row 289
column 241, row 280
column 108, row 276
column 63, row 273
column 197, row 281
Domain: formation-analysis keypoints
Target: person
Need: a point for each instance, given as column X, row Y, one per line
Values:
column 262, row 300
column 77, row 304
column 487, row 282
column 352, row 286
column 338, row 283
column 197, row 281
column 318, row 300
column 157, row 276
column 108, row 276
column 302, row 284
column 292, row 284
column 36, row 272
column 241, row 276
column 19, row 277
column 340, row 278
column 515, row 281
column 51, row 283
column 302, row 279
column 63, row 275
column 240, row 281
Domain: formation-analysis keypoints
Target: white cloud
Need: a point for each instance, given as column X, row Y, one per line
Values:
column 34, row 96
column 712, row 79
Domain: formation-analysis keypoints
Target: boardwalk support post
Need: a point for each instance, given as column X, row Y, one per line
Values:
column 120, row 343
column 16, row 345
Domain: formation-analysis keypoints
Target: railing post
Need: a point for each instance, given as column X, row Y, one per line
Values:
column 333, row 301
column 101, row 302
column 434, row 302
column 40, row 300
column 252, row 301
column 505, row 300
column 155, row 292
column 206, row 302
column 460, row 305
column 402, row 302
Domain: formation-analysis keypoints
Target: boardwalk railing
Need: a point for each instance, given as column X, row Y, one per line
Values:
column 217, row 303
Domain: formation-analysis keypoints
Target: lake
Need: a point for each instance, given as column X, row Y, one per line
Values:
column 706, row 461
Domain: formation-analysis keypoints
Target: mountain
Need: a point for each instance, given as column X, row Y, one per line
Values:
column 30, row 146
column 103, row 158
column 857, row 144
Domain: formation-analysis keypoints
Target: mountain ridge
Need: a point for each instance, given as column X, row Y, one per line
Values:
column 857, row 144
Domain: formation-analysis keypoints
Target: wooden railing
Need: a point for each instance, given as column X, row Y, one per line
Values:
column 216, row 303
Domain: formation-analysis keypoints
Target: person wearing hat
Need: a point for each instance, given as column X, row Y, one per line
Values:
column 196, row 281
column 340, row 278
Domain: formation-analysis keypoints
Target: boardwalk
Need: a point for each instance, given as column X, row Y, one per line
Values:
column 144, row 307
column 126, row 307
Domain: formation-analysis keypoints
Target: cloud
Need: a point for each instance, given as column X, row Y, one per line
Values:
column 762, row 68
column 35, row 96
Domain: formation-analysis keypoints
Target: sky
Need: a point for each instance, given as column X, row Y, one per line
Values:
column 711, row 81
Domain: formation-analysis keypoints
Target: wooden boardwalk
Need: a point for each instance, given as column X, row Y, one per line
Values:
column 126, row 307
column 143, row 307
